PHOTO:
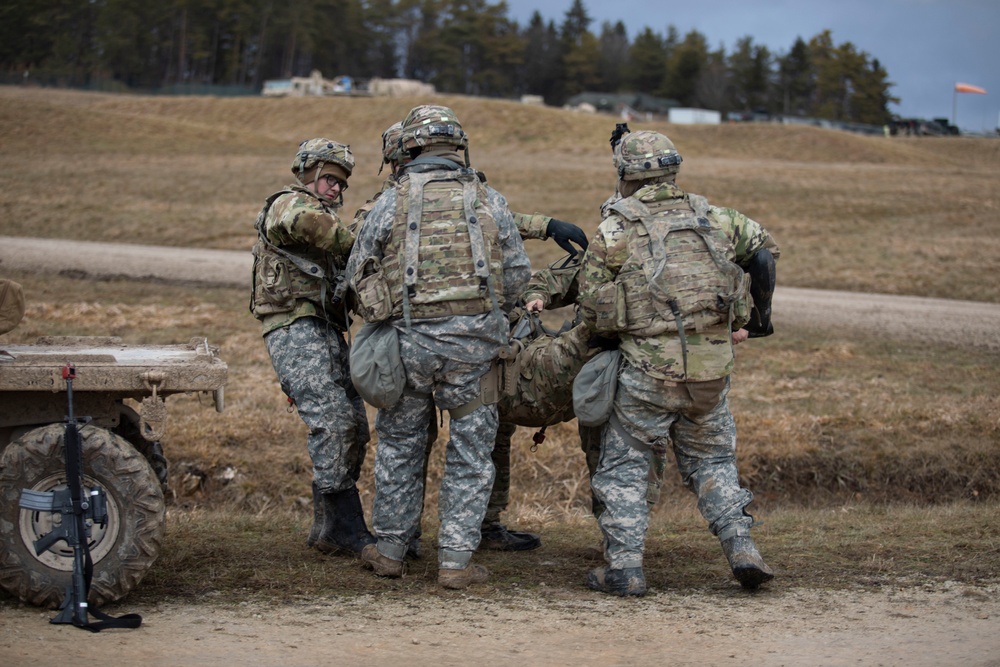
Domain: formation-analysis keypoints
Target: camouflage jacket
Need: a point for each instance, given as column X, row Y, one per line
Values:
column 375, row 233
column 300, row 223
column 709, row 353
column 362, row 213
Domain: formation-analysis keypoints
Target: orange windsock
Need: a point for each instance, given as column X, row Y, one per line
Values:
column 969, row 88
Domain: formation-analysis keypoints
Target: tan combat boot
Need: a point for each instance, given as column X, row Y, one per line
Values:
column 382, row 565
column 459, row 579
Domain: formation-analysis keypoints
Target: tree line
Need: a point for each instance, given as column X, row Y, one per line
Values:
column 461, row 46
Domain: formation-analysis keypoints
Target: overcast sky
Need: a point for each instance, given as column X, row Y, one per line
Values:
column 926, row 46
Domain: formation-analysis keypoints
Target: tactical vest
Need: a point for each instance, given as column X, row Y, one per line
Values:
column 443, row 256
column 282, row 276
column 678, row 276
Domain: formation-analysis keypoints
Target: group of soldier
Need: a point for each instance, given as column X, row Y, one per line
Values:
column 435, row 265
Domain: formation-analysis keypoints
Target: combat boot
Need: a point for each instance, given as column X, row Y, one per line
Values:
column 459, row 579
column 317, row 525
column 496, row 537
column 382, row 565
column 746, row 562
column 414, row 550
column 627, row 581
column 344, row 530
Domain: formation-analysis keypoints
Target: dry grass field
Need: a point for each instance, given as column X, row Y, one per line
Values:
column 856, row 442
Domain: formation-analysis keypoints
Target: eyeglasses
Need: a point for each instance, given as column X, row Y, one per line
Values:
column 332, row 180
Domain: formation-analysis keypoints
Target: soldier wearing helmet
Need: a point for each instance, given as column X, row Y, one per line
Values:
column 439, row 260
column 665, row 274
column 299, row 297
column 495, row 535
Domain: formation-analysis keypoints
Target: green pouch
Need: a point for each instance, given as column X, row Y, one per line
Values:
column 373, row 291
column 594, row 388
column 376, row 369
column 609, row 308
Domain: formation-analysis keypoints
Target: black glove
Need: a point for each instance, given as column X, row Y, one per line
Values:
column 602, row 342
column 564, row 232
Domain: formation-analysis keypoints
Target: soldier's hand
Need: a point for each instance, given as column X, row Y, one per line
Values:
column 535, row 305
column 740, row 335
column 566, row 232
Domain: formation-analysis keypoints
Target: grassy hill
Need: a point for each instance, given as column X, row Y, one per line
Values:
column 898, row 216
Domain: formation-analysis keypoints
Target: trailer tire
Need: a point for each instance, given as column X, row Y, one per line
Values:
column 122, row 551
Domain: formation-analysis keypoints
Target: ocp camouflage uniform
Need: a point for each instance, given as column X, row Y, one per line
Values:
column 671, row 390
column 444, row 357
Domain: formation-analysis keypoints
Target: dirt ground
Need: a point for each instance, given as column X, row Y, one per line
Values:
column 910, row 624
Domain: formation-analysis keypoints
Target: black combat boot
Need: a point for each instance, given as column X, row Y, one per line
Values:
column 496, row 537
column 627, row 581
column 344, row 530
column 317, row 525
column 745, row 561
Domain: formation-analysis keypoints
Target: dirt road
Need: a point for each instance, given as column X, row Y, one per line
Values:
column 914, row 318
column 914, row 625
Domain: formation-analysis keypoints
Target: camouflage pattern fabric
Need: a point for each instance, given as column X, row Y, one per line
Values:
column 365, row 209
column 374, row 234
column 441, row 371
column 694, row 421
column 532, row 226
column 444, row 359
column 304, row 225
column 709, row 353
column 311, row 360
column 500, row 492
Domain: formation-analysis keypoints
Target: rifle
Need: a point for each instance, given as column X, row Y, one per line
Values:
column 77, row 504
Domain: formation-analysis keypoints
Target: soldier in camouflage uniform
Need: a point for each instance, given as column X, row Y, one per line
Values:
column 495, row 535
column 439, row 260
column 298, row 295
column 662, row 273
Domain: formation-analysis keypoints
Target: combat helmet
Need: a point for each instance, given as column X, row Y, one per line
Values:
column 646, row 154
column 430, row 125
column 392, row 153
column 316, row 157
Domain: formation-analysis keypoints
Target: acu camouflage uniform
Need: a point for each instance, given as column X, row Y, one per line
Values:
column 529, row 226
column 447, row 346
column 303, row 330
column 671, row 390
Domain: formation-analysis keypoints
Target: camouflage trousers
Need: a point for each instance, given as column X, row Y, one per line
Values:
column 401, row 453
column 311, row 360
column 692, row 419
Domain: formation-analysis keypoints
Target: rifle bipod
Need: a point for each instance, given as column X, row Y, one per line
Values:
column 76, row 504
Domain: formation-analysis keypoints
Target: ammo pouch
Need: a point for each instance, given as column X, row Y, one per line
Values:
column 743, row 304
column 272, row 289
column 610, row 310
column 372, row 289
column 376, row 368
column 594, row 388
